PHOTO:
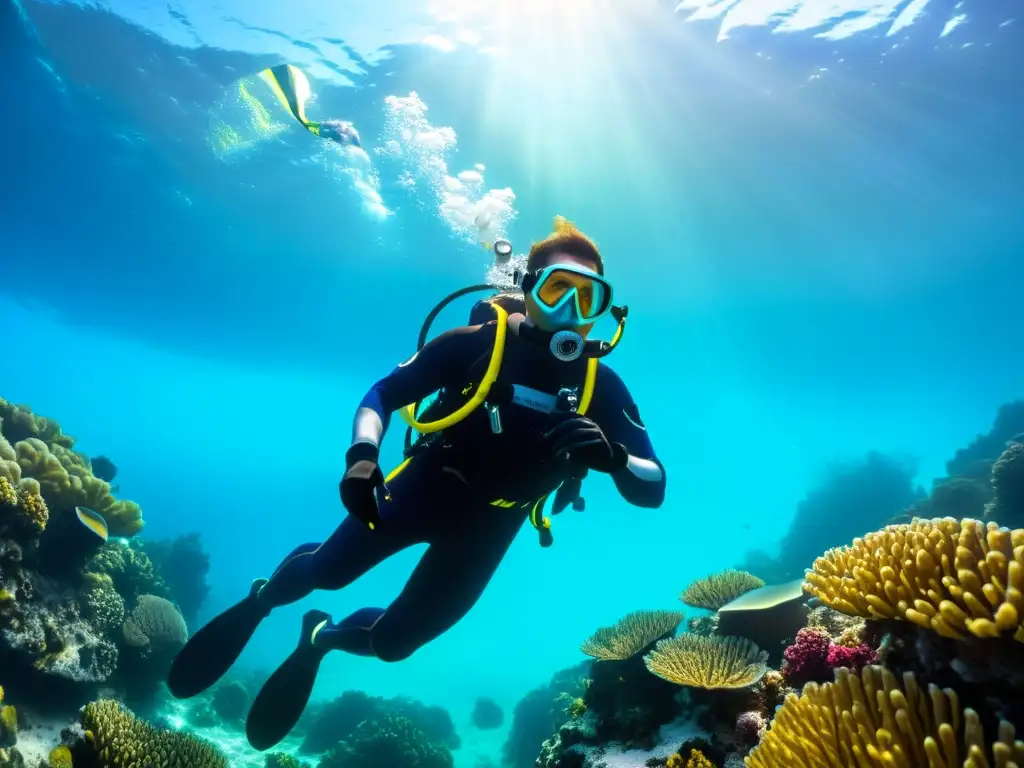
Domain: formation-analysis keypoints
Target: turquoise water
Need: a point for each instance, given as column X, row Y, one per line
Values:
column 812, row 210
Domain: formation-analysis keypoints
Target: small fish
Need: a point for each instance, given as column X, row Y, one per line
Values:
column 103, row 468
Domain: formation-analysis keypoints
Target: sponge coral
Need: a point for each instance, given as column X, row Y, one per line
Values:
column 704, row 661
column 959, row 578
column 121, row 739
column 631, row 634
column 716, row 590
column 871, row 719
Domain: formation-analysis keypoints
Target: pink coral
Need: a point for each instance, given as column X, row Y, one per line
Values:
column 854, row 658
column 807, row 658
column 749, row 727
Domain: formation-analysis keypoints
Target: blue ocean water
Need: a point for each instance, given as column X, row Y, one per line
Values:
column 812, row 209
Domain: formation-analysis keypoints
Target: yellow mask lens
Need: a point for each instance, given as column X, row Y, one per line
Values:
column 560, row 282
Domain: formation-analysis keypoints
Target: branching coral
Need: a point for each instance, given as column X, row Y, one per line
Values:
column 707, row 662
column 155, row 621
column 121, row 739
column 807, row 657
column 958, row 578
column 871, row 719
column 714, row 591
column 631, row 634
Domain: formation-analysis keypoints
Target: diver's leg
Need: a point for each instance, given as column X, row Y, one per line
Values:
column 351, row 551
column 447, row 582
column 414, row 508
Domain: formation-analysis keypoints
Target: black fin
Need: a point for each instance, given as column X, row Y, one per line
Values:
column 282, row 699
column 212, row 650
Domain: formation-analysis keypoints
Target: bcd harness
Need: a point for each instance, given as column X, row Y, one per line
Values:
column 568, row 399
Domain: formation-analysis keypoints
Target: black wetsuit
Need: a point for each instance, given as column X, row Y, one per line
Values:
column 467, row 494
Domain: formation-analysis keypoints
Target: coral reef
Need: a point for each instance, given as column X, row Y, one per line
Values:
column 1007, row 505
column 325, row 725
column 707, row 662
column 388, row 740
column 959, row 578
column 487, row 715
column 714, row 591
column 539, row 714
column 79, row 609
column 874, row 718
column 631, row 634
column 230, row 702
column 768, row 616
column 118, row 738
column 183, row 565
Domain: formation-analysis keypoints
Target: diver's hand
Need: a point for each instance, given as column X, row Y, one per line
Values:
column 361, row 479
column 583, row 442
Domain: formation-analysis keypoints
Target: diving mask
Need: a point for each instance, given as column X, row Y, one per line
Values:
column 568, row 296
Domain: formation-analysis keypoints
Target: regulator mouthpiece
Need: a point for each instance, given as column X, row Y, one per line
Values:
column 502, row 251
column 566, row 345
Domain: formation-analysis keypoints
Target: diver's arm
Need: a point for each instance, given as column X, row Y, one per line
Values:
column 414, row 380
column 642, row 481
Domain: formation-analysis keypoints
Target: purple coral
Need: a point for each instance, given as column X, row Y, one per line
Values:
column 807, row 658
column 855, row 658
column 749, row 727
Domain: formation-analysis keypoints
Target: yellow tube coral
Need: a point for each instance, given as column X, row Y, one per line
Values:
column 871, row 719
column 631, row 634
column 711, row 661
column 714, row 591
column 959, row 578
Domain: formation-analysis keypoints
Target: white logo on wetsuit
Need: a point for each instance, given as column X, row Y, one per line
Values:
column 407, row 362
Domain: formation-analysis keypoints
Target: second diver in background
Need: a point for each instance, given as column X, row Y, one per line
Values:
column 524, row 409
column 292, row 89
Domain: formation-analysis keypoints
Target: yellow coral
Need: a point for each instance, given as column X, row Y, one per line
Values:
column 718, row 589
column 8, row 724
column 121, row 739
column 702, row 661
column 958, row 578
column 30, row 510
column 871, row 720
column 675, row 760
column 697, row 760
column 8, row 493
column 60, row 757
column 631, row 634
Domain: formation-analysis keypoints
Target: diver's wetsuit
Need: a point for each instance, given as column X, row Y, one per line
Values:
column 465, row 494
column 446, row 496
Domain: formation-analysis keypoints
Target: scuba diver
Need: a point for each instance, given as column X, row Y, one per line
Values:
column 524, row 410
column 292, row 89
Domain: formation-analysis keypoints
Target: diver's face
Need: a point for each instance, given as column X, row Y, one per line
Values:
column 534, row 313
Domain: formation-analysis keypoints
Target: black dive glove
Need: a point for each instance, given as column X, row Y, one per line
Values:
column 362, row 478
column 583, row 442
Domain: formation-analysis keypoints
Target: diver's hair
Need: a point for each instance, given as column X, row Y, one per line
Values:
column 565, row 238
